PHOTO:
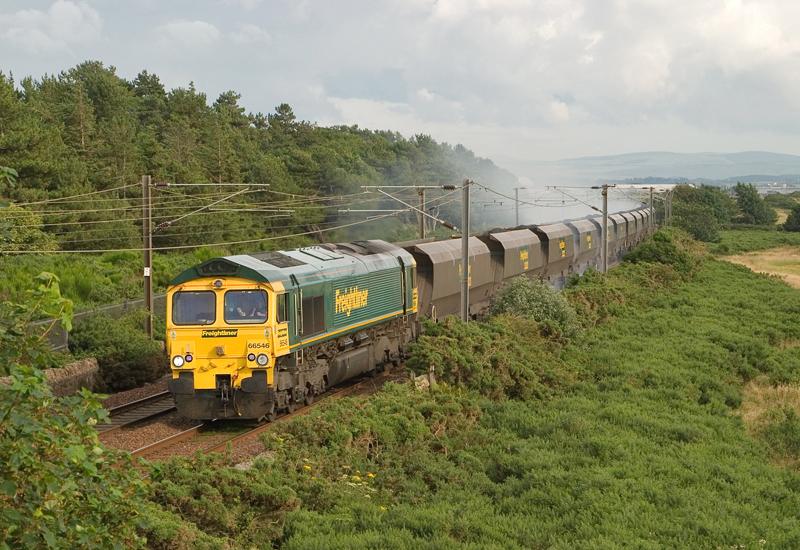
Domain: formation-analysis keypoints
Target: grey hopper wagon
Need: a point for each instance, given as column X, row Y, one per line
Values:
column 639, row 225
column 439, row 276
column 514, row 253
column 631, row 233
column 646, row 217
column 620, row 237
column 559, row 246
column 588, row 239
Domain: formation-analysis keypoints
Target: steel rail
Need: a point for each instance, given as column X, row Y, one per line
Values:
column 164, row 444
column 137, row 411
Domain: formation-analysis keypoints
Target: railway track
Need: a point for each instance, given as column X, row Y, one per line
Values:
column 137, row 411
column 210, row 437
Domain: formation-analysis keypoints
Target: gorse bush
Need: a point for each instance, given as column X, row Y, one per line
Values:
column 536, row 300
column 781, row 432
column 502, row 357
column 126, row 356
column 597, row 298
column 669, row 246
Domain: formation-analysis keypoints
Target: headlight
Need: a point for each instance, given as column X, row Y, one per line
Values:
column 262, row 359
column 251, row 356
column 189, row 357
column 177, row 361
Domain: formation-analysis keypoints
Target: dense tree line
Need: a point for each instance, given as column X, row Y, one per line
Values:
column 704, row 210
column 87, row 129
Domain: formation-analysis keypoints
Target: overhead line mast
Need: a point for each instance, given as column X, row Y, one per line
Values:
column 147, row 244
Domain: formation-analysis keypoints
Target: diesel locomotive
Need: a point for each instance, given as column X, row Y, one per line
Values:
column 251, row 335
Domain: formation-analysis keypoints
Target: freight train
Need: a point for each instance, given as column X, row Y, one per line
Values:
column 249, row 336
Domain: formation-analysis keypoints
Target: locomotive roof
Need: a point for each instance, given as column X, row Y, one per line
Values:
column 307, row 265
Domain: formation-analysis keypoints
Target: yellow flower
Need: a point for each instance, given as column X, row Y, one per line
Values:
column 355, row 478
column 383, row 508
column 370, row 474
column 306, row 467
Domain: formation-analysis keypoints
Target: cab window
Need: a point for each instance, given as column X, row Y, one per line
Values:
column 194, row 308
column 282, row 310
column 245, row 306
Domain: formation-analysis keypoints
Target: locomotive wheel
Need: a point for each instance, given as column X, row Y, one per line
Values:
column 291, row 407
column 309, row 398
column 270, row 416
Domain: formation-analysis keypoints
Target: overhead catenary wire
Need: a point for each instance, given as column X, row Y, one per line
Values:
column 139, row 218
column 162, row 225
column 157, row 205
column 157, row 236
column 575, row 198
column 167, row 235
column 528, row 203
column 183, row 247
column 80, row 195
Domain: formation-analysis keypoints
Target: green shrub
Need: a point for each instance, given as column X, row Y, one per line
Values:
column 535, row 300
column 22, row 343
column 753, row 209
column 59, row 488
column 792, row 222
column 780, row 200
column 503, row 357
column 126, row 356
column 782, row 433
column 698, row 220
column 668, row 246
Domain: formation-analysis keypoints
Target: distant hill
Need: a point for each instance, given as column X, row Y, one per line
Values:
column 758, row 166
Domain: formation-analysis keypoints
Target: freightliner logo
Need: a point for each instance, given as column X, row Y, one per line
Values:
column 220, row 333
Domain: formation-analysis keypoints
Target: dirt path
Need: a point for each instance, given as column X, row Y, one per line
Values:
column 783, row 261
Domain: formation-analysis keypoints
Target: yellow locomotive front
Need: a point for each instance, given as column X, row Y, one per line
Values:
column 223, row 337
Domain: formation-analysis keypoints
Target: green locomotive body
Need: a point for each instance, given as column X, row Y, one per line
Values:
column 331, row 312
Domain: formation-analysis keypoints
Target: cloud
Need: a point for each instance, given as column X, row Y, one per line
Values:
column 250, row 34
column 559, row 111
column 533, row 78
column 62, row 25
column 188, row 34
column 248, row 5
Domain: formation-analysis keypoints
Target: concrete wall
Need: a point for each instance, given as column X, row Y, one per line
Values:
column 70, row 378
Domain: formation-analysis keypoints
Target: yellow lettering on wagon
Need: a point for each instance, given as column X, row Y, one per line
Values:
column 350, row 299
column 469, row 273
column 562, row 244
column 523, row 257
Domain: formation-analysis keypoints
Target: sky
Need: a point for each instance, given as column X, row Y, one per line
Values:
column 514, row 80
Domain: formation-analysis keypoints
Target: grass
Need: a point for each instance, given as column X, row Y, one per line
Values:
column 783, row 262
column 738, row 241
column 638, row 432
